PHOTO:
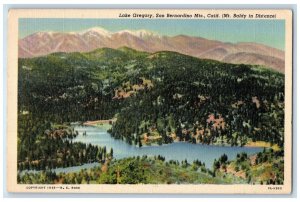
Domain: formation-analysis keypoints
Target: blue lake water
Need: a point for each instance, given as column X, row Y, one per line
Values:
column 175, row 151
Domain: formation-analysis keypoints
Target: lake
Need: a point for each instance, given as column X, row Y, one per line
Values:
column 175, row 151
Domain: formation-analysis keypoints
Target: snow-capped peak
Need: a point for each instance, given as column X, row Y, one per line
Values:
column 99, row 31
column 138, row 33
column 96, row 31
column 42, row 34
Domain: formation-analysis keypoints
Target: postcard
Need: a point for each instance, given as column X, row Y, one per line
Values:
column 149, row 101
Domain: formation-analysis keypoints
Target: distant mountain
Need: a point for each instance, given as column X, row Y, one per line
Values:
column 43, row 43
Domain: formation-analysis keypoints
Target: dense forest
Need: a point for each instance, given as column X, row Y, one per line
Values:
column 43, row 146
column 154, row 98
column 202, row 101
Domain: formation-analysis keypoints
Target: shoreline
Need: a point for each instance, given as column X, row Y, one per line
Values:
column 250, row 144
column 97, row 122
column 264, row 144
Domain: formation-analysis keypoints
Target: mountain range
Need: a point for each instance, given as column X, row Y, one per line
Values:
column 43, row 43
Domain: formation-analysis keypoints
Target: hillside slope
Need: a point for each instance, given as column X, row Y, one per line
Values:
column 156, row 98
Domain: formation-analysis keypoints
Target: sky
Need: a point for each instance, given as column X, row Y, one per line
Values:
column 268, row 32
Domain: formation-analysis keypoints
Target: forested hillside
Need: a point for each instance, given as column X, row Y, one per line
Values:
column 155, row 98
